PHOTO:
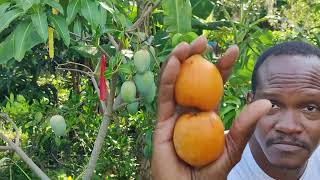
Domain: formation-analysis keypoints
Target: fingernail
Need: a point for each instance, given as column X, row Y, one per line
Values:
column 197, row 39
column 233, row 46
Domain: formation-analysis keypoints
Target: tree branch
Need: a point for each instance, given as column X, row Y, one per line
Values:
column 107, row 116
column 5, row 117
column 5, row 148
column 113, row 42
column 25, row 158
column 18, row 150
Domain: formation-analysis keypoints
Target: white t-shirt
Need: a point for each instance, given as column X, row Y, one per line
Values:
column 248, row 169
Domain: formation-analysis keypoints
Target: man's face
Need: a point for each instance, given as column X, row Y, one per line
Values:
column 290, row 132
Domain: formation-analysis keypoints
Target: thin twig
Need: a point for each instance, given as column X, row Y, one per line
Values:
column 79, row 64
column 113, row 42
column 93, row 80
column 95, row 85
column 77, row 70
column 104, row 52
column 124, row 104
column 86, row 39
column 145, row 14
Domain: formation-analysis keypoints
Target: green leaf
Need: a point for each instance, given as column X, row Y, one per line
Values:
column 39, row 20
column 178, row 14
column 107, row 6
column 25, row 37
column 7, row 49
column 54, row 4
column 87, row 51
column 72, row 10
column 3, row 8
column 60, row 25
column 90, row 11
column 77, row 28
column 103, row 18
column 201, row 9
column 125, row 68
column 8, row 17
column 26, row 4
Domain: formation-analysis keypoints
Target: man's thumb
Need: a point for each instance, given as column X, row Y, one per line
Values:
column 243, row 127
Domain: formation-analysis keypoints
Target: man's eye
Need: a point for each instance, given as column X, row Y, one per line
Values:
column 274, row 105
column 311, row 108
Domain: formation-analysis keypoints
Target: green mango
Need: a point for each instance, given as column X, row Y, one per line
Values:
column 141, row 60
column 58, row 125
column 128, row 91
column 133, row 107
column 144, row 81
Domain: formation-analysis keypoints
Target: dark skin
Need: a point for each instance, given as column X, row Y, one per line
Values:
column 286, row 137
column 166, row 165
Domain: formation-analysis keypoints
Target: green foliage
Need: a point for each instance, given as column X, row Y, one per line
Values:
column 60, row 25
column 72, row 10
column 177, row 15
column 39, row 20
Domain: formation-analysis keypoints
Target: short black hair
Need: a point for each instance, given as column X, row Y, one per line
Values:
column 286, row 48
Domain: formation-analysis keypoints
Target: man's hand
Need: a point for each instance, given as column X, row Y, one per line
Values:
column 166, row 165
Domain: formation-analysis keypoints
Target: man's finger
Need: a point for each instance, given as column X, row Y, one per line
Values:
column 226, row 63
column 181, row 51
column 198, row 46
column 166, row 102
column 243, row 127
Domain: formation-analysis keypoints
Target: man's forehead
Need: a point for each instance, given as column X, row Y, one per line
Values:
column 290, row 64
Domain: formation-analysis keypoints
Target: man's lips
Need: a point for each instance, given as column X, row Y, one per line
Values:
column 287, row 146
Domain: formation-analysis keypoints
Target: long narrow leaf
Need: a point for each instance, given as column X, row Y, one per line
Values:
column 178, row 14
column 90, row 11
column 7, row 49
column 8, row 17
column 60, row 25
column 26, row 4
column 25, row 37
column 103, row 18
column 72, row 10
column 39, row 20
column 3, row 8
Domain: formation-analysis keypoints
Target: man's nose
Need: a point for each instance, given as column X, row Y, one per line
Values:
column 289, row 122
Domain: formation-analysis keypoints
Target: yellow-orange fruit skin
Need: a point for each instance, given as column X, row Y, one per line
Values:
column 199, row 138
column 199, row 84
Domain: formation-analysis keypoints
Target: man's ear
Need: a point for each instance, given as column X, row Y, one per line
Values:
column 249, row 98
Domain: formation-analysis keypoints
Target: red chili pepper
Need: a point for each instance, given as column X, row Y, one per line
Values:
column 102, row 80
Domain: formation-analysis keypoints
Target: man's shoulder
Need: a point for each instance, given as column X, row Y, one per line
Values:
column 312, row 171
column 317, row 152
column 247, row 168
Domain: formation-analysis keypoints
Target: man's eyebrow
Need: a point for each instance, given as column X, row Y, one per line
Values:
column 269, row 93
column 275, row 94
